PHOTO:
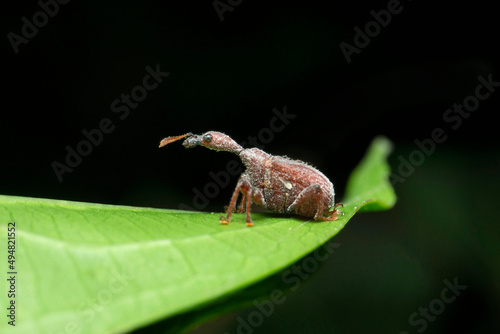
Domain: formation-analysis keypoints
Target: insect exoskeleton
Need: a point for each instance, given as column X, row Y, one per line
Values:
column 274, row 182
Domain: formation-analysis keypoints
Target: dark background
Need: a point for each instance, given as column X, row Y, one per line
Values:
column 228, row 76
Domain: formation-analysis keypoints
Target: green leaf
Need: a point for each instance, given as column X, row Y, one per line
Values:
column 369, row 182
column 92, row 268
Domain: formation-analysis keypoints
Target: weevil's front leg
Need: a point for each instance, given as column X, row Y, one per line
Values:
column 226, row 220
column 241, row 208
column 255, row 195
column 249, row 205
column 249, row 194
column 243, row 185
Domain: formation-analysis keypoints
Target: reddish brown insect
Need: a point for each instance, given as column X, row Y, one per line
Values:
column 277, row 183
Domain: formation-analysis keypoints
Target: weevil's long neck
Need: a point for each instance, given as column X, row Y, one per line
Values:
column 224, row 143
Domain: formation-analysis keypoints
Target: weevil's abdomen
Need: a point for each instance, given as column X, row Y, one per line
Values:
column 296, row 176
column 282, row 180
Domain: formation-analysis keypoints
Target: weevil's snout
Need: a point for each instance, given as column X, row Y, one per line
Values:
column 213, row 140
column 203, row 140
column 192, row 141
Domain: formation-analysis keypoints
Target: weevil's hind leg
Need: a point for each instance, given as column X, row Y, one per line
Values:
column 313, row 194
column 306, row 195
column 335, row 213
column 336, row 206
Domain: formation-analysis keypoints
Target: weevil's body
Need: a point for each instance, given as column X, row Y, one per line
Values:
column 282, row 181
column 277, row 183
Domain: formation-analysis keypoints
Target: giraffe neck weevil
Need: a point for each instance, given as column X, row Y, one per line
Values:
column 277, row 183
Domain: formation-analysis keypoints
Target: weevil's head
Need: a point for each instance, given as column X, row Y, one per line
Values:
column 213, row 140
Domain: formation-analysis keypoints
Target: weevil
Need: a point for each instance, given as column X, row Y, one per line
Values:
column 277, row 183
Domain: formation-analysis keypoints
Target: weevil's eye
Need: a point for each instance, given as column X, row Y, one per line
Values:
column 207, row 138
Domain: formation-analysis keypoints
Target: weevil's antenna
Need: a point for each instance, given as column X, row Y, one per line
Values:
column 168, row 140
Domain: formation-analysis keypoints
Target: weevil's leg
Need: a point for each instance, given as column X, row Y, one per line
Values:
column 335, row 213
column 312, row 194
column 241, row 208
column 243, row 185
column 226, row 220
column 305, row 196
column 249, row 204
column 249, row 194
column 321, row 208
column 254, row 195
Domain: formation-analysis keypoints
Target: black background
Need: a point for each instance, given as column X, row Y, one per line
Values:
column 228, row 76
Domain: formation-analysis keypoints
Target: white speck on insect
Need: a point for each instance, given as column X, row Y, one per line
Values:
column 288, row 185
